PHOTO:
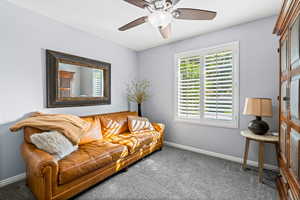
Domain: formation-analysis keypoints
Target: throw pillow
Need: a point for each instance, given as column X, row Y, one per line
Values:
column 139, row 124
column 54, row 143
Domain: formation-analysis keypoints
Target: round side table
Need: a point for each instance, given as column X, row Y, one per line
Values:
column 261, row 139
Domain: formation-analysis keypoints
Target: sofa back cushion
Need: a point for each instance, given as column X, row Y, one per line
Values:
column 94, row 133
column 28, row 132
column 139, row 124
column 115, row 123
column 105, row 122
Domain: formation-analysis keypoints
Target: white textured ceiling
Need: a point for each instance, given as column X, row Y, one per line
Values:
column 103, row 17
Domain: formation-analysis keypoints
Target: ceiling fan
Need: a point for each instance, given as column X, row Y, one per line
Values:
column 162, row 12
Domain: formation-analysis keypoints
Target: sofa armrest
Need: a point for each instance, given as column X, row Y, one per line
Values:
column 159, row 127
column 37, row 160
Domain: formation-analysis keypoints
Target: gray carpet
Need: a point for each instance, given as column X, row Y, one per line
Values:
column 173, row 174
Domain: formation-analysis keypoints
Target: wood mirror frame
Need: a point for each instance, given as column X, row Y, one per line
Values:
column 53, row 59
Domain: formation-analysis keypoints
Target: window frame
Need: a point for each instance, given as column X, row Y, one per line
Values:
column 234, row 46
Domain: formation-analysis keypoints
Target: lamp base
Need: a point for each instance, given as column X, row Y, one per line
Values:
column 258, row 126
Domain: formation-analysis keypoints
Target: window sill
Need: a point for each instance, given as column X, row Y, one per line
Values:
column 212, row 123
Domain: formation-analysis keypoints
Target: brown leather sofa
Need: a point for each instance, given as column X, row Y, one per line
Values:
column 90, row 164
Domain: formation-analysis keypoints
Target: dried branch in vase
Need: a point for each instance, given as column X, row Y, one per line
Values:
column 137, row 91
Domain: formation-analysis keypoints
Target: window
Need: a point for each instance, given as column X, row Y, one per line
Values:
column 97, row 83
column 207, row 86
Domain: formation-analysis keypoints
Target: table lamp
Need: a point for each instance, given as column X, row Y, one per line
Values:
column 259, row 107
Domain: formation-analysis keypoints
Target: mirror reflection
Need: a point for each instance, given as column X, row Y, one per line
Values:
column 79, row 81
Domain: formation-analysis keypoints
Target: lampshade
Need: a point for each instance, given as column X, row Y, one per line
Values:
column 258, row 107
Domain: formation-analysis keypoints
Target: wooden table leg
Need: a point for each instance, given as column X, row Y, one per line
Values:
column 277, row 153
column 261, row 161
column 246, row 154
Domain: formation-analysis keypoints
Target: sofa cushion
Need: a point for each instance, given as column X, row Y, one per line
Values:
column 134, row 142
column 89, row 157
column 114, row 124
column 139, row 124
column 154, row 134
column 94, row 132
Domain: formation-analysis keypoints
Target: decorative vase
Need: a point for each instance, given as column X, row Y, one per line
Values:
column 139, row 109
column 258, row 126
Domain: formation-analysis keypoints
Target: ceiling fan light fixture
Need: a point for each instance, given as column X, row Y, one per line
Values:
column 175, row 14
column 160, row 18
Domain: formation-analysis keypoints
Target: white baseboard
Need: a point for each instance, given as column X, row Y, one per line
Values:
column 219, row 155
column 12, row 179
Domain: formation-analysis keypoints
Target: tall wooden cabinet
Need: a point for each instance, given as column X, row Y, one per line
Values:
column 288, row 28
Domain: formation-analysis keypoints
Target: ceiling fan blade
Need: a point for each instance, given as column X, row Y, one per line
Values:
column 134, row 23
column 174, row 2
column 194, row 14
column 138, row 3
column 165, row 32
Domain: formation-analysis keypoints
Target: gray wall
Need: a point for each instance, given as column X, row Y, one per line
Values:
column 258, row 78
column 24, row 36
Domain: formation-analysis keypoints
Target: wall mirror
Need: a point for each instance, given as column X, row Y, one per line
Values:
column 76, row 81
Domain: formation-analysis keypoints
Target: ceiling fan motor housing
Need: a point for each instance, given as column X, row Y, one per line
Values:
column 161, row 4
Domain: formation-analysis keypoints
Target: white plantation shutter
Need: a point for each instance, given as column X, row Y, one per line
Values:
column 207, row 86
column 189, row 87
column 218, row 80
column 98, row 83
